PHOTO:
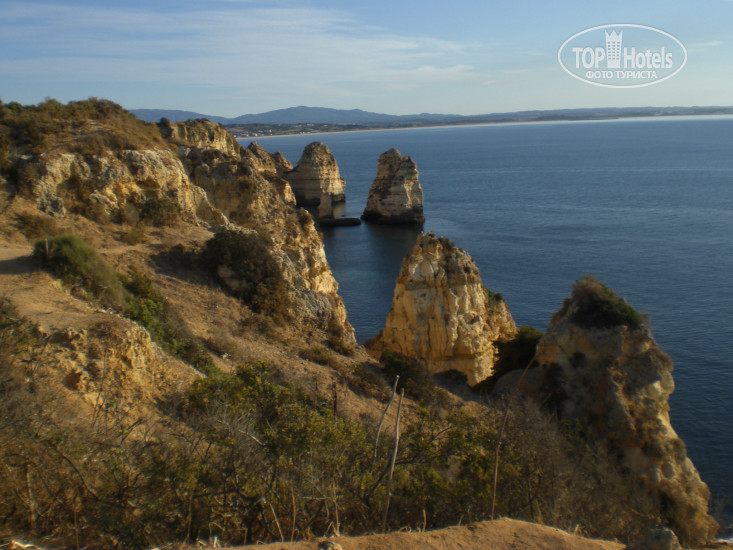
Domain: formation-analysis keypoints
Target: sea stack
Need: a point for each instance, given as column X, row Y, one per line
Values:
column 600, row 367
column 396, row 195
column 317, row 174
column 442, row 315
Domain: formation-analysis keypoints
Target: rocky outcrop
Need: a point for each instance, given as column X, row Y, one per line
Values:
column 113, row 184
column 200, row 133
column 442, row 315
column 205, row 185
column 250, row 194
column 396, row 195
column 316, row 174
column 269, row 162
column 600, row 366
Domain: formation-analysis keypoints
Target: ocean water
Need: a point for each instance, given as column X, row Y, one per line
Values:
column 646, row 205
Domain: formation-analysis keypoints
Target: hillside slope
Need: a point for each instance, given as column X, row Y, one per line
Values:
column 176, row 363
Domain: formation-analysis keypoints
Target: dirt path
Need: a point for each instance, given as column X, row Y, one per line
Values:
column 41, row 299
column 502, row 534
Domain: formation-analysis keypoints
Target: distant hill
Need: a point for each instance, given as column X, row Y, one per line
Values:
column 316, row 115
column 154, row 115
column 293, row 115
column 358, row 117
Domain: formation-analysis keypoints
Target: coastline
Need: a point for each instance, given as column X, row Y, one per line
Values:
column 667, row 116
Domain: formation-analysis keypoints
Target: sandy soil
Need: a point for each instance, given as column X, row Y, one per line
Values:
column 502, row 534
column 496, row 535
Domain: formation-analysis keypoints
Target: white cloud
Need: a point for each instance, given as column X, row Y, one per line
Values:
column 237, row 46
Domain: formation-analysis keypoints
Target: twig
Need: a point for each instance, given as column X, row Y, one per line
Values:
column 381, row 420
column 277, row 521
column 392, row 462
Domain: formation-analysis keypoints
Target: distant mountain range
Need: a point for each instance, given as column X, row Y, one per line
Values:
column 294, row 115
column 323, row 115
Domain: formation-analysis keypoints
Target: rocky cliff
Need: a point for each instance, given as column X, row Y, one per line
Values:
column 316, row 174
column 600, row 367
column 396, row 195
column 201, row 175
column 442, row 315
column 200, row 133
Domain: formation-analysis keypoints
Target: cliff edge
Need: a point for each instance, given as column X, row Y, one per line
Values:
column 599, row 366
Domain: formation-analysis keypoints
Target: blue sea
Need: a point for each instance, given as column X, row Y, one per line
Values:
column 646, row 205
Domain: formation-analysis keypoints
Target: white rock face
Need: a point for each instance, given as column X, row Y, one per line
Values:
column 441, row 313
column 316, row 174
column 396, row 195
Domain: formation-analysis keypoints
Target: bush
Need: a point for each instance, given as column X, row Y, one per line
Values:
column 33, row 128
column 599, row 307
column 148, row 307
column 76, row 262
column 136, row 235
column 322, row 356
column 414, row 377
column 36, row 225
column 259, row 278
column 492, row 298
column 160, row 211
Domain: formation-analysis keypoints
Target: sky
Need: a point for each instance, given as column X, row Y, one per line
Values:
column 234, row 57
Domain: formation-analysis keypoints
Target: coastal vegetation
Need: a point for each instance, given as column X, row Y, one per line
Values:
column 38, row 128
column 247, row 456
column 183, row 383
column 600, row 307
column 246, row 255
column 81, row 267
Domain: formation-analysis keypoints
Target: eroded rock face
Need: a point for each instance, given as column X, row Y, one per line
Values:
column 442, row 314
column 269, row 162
column 396, row 195
column 211, row 187
column 248, row 193
column 202, row 134
column 616, row 381
column 114, row 184
column 316, row 174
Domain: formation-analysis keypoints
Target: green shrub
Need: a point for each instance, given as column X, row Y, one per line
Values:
column 492, row 298
column 76, row 262
column 136, row 235
column 414, row 377
column 148, row 307
column 260, row 278
column 322, row 356
column 599, row 307
column 160, row 211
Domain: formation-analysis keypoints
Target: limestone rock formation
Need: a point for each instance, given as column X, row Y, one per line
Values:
column 248, row 193
column 600, row 365
column 442, row 314
column 206, row 185
column 276, row 163
column 113, row 184
column 200, row 133
column 316, row 174
column 396, row 195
